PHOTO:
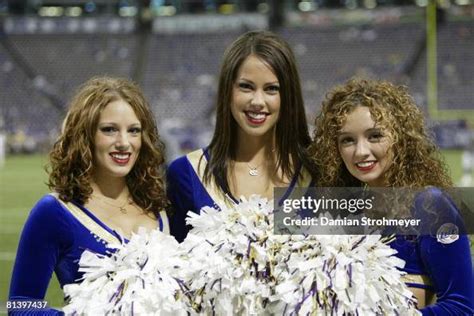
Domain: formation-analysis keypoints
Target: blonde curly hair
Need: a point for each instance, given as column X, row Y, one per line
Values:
column 416, row 160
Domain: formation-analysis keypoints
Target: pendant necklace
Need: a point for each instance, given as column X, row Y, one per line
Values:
column 253, row 171
column 122, row 208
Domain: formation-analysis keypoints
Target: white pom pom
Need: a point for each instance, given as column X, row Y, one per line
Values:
column 232, row 263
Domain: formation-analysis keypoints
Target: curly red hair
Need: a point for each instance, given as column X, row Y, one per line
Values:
column 71, row 159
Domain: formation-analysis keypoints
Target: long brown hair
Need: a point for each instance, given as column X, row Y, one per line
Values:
column 292, row 135
column 71, row 159
column 417, row 162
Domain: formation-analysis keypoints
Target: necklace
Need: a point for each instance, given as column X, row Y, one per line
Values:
column 122, row 208
column 253, row 171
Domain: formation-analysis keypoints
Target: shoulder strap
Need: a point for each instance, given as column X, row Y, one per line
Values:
column 198, row 161
column 88, row 222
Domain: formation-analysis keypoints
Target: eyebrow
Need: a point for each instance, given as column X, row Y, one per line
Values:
column 250, row 81
column 115, row 124
column 372, row 129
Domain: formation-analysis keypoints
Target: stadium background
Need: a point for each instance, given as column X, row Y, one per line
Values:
column 173, row 49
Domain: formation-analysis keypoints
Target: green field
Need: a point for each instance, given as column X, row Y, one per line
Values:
column 22, row 181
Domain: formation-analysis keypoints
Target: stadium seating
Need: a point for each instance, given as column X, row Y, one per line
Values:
column 179, row 72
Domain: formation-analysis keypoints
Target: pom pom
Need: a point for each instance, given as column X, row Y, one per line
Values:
column 232, row 263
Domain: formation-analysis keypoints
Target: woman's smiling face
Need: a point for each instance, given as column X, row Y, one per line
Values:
column 365, row 147
column 255, row 98
column 118, row 140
